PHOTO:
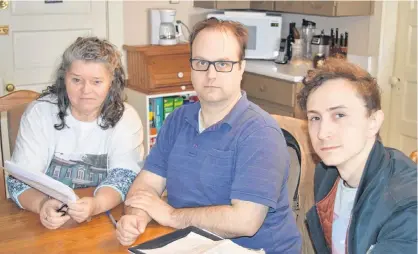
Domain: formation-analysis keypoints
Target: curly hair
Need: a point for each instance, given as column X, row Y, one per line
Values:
column 91, row 49
column 334, row 68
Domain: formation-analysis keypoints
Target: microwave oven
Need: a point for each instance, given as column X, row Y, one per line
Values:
column 264, row 31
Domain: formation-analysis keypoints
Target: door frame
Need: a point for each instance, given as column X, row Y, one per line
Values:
column 386, row 60
column 115, row 26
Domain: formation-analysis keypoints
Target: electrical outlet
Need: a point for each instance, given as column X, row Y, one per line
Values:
column 174, row 1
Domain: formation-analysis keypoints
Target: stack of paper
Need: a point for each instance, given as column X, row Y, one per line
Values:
column 42, row 182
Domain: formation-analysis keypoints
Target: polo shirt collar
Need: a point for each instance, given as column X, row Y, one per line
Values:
column 231, row 119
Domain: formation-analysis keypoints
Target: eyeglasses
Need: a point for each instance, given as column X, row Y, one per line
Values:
column 220, row 66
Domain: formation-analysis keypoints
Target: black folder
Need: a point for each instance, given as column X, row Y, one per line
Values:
column 171, row 237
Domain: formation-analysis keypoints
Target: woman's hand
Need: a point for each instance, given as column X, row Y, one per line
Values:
column 49, row 216
column 82, row 209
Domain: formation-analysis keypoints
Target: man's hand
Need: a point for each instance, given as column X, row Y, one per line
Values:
column 49, row 216
column 129, row 227
column 159, row 210
column 82, row 209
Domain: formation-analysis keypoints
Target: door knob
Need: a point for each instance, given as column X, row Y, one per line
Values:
column 10, row 88
column 394, row 81
column 4, row 4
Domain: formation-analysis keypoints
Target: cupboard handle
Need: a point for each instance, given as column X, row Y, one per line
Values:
column 183, row 88
column 262, row 88
column 180, row 74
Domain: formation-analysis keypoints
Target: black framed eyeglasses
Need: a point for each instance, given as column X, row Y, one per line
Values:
column 220, row 66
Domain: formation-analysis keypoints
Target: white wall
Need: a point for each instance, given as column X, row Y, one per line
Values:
column 136, row 19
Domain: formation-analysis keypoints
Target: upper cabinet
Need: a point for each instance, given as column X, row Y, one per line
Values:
column 219, row 4
column 321, row 8
column 289, row 6
column 338, row 8
column 262, row 5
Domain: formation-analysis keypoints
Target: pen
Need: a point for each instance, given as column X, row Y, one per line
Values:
column 111, row 218
column 62, row 211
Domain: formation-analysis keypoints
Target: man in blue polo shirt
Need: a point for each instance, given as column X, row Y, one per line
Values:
column 223, row 160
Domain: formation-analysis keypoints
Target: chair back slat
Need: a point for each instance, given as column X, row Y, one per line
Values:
column 12, row 107
column 303, row 198
column 413, row 156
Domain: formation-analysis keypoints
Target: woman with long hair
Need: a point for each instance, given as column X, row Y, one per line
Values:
column 81, row 133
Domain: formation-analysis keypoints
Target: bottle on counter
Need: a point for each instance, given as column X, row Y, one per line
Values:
column 290, row 40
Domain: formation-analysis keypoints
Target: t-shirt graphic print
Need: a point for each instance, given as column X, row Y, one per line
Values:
column 78, row 170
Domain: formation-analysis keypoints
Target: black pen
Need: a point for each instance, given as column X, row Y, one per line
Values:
column 60, row 210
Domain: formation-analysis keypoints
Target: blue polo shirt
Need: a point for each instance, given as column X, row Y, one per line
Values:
column 242, row 157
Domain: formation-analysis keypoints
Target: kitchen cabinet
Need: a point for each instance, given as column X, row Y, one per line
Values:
column 262, row 5
column 219, row 4
column 338, row 8
column 320, row 8
column 289, row 6
column 157, row 69
column 275, row 96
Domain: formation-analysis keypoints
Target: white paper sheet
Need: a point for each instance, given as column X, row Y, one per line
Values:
column 42, row 182
column 197, row 244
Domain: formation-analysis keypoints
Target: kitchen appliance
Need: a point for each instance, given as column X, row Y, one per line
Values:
column 308, row 31
column 320, row 45
column 164, row 29
column 264, row 31
column 282, row 58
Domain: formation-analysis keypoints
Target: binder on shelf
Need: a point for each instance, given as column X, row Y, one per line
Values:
column 158, row 112
column 178, row 102
column 153, row 130
column 168, row 106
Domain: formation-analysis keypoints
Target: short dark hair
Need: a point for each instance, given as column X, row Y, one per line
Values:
column 236, row 28
column 334, row 68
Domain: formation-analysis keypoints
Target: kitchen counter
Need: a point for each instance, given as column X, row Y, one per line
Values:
column 288, row 72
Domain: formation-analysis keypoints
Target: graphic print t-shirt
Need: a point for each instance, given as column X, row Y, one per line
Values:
column 81, row 154
column 80, row 158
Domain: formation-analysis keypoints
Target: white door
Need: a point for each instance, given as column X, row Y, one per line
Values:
column 403, row 114
column 38, row 33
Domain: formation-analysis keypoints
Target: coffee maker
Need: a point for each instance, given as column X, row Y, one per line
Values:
column 164, row 29
column 321, row 44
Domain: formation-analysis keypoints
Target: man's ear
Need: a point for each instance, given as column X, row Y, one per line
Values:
column 375, row 122
column 242, row 65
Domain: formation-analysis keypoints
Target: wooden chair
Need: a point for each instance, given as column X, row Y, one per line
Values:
column 301, row 175
column 12, row 107
column 413, row 156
